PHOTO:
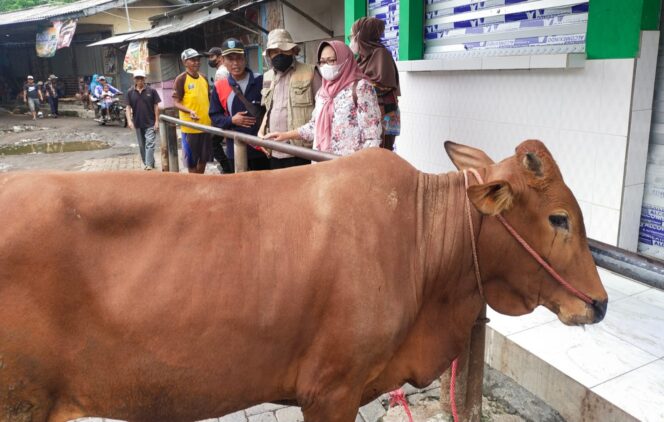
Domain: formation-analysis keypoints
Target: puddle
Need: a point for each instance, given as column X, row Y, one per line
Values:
column 52, row 147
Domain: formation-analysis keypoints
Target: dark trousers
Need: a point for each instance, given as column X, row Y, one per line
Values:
column 53, row 102
column 220, row 155
column 254, row 164
column 282, row 163
column 388, row 142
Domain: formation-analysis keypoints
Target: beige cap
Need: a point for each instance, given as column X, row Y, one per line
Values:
column 138, row 73
column 281, row 39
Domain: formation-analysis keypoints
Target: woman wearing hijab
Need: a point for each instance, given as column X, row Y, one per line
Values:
column 346, row 117
column 378, row 65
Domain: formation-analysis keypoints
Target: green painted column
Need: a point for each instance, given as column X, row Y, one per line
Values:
column 411, row 29
column 353, row 10
column 614, row 28
column 650, row 16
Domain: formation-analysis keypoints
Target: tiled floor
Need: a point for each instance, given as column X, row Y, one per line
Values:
column 620, row 359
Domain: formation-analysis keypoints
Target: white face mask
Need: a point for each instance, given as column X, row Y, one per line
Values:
column 330, row 72
column 353, row 46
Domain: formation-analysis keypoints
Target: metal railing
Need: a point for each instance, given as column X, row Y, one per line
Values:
column 169, row 144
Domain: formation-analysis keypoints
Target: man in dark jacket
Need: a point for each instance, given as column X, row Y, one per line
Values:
column 236, row 102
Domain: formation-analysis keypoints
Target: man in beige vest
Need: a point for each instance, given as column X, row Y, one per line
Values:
column 288, row 94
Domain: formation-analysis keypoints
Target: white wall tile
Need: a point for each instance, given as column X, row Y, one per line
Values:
column 646, row 66
column 604, row 225
column 619, row 287
column 609, row 170
column 637, row 147
column 630, row 217
column 580, row 93
column 616, row 96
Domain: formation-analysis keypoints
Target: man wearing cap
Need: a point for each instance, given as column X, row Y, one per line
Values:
column 51, row 90
column 32, row 96
column 216, row 61
column 143, row 116
column 99, row 89
column 236, row 101
column 190, row 97
column 289, row 90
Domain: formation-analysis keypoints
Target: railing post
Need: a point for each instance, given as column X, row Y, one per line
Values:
column 172, row 138
column 163, row 140
column 469, row 376
column 240, row 152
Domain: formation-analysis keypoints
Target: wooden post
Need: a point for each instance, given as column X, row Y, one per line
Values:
column 172, row 138
column 470, row 376
column 240, row 152
column 163, row 140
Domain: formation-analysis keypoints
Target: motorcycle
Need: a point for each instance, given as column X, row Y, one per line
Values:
column 114, row 113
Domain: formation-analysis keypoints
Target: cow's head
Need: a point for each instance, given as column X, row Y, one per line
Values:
column 528, row 190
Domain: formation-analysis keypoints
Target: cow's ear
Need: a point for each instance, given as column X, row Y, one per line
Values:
column 491, row 198
column 465, row 157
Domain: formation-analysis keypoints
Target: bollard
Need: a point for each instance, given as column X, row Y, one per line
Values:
column 240, row 151
column 163, row 139
column 470, row 376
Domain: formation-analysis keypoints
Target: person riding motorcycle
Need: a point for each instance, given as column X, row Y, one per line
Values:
column 104, row 106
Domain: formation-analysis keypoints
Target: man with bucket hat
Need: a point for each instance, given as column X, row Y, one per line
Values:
column 52, row 94
column 288, row 94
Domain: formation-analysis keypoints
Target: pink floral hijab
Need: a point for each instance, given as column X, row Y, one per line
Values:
column 350, row 72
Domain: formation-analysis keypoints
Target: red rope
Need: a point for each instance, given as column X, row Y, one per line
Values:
column 453, row 405
column 397, row 397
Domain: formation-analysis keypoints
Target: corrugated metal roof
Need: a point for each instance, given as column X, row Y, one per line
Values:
column 175, row 24
column 46, row 12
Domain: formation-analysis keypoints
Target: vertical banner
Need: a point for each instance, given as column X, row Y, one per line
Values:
column 47, row 41
column 136, row 57
column 67, row 31
column 55, row 37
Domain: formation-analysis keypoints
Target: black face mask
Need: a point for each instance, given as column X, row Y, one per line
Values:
column 212, row 63
column 281, row 62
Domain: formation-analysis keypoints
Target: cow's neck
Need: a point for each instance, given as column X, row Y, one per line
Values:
column 451, row 300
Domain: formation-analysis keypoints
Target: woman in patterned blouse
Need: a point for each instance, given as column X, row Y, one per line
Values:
column 347, row 117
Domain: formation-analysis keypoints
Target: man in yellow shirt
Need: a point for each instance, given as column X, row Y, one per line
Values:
column 191, row 97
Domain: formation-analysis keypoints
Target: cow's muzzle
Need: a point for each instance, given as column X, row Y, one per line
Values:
column 600, row 309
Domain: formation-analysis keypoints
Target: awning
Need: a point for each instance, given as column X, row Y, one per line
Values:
column 115, row 39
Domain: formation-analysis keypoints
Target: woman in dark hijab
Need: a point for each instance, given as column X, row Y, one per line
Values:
column 378, row 65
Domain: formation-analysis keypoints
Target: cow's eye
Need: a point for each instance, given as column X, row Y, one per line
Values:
column 559, row 221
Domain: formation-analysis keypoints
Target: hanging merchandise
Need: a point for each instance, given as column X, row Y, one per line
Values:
column 137, row 57
column 47, row 40
column 66, row 34
column 55, row 37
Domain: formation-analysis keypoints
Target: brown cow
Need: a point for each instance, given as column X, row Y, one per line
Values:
column 166, row 297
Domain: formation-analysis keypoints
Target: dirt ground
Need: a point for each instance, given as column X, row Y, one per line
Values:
column 22, row 130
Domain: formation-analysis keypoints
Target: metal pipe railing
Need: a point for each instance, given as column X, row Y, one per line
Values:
column 641, row 268
column 241, row 139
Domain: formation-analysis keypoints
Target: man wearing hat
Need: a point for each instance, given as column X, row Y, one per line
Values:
column 190, row 97
column 216, row 61
column 236, row 102
column 143, row 116
column 51, row 91
column 32, row 96
column 289, row 90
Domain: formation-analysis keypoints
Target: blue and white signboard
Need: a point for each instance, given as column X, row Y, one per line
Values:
column 504, row 27
column 388, row 11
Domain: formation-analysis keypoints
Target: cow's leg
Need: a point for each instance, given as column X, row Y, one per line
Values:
column 62, row 413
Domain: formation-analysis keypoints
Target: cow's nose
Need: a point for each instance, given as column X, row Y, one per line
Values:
column 600, row 309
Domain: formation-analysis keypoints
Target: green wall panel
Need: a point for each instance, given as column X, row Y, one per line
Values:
column 353, row 10
column 411, row 29
column 614, row 28
column 650, row 16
